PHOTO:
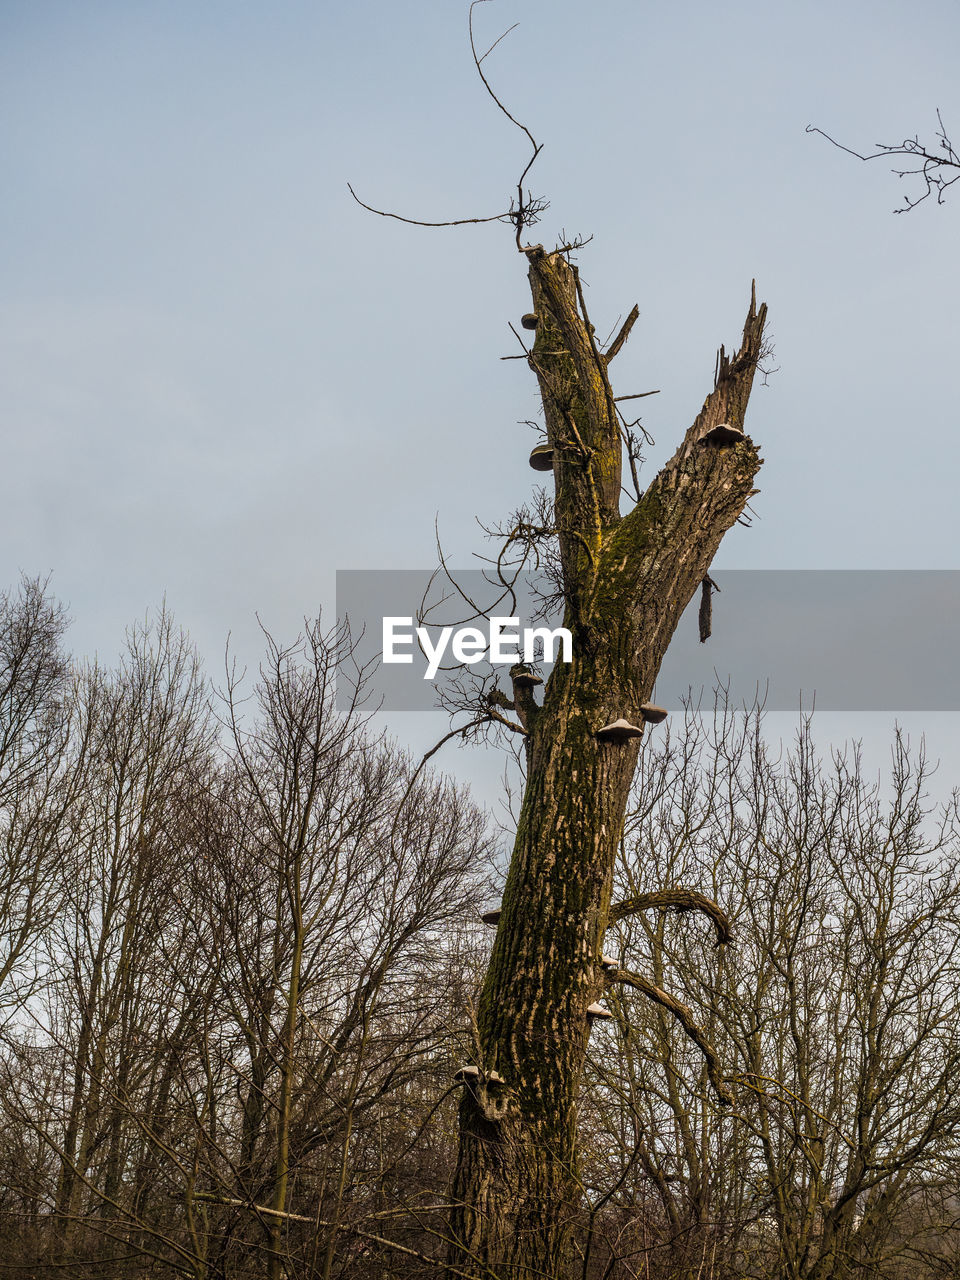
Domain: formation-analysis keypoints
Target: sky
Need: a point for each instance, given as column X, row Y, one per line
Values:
column 223, row 380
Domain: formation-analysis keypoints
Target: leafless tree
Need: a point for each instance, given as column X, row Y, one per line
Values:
column 327, row 893
column 835, row 1013
column 239, row 1048
column 37, row 778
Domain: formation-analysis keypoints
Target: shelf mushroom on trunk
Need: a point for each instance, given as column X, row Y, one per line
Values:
column 597, row 1013
column 524, row 679
column 618, row 731
column 542, row 458
column 652, row 714
column 723, row 433
column 472, row 1073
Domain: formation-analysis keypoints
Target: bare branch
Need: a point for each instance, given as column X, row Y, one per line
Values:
column 930, row 163
column 486, row 83
column 527, row 211
column 623, row 335
column 685, row 1017
column 497, row 41
column 679, row 900
column 420, row 222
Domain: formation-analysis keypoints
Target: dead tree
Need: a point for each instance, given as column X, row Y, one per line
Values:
column 626, row 581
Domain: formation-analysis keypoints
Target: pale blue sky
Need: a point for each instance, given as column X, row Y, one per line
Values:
column 222, row 380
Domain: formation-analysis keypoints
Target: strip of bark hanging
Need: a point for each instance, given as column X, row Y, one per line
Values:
column 707, row 588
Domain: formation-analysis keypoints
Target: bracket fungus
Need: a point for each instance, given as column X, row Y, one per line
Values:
column 529, row 321
column 722, row 433
column 524, row 679
column 596, row 1012
column 542, row 458
column 618, row 731
column 491, row 917
column 609, row 964
column 652, row 714
column 473, row 1074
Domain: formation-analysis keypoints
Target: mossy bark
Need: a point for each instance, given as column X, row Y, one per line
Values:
column 627, row 580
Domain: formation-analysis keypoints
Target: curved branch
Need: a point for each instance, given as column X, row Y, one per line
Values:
column 525, row 213
column 685, row 1017
column 486, row 82
column 478, row 610
column 679, row 900
column 454, row 733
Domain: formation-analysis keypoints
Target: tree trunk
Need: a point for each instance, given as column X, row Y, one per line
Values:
column 627, row 581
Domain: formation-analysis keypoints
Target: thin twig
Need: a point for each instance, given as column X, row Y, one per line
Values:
column 420, row 222
column 930, row 166
column 498, row 39
column 525, row 212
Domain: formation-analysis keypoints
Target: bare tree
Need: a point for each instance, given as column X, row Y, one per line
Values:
column 835, row 1014
column 37, row 778
column 327, row 876
column 237, row 1052
column 144, row 731
column 626, row 580
column 623, row 580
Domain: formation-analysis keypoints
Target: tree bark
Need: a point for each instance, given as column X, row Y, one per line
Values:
column 627, row 580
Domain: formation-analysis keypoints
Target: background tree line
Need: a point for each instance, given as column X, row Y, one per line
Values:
column 240, row 946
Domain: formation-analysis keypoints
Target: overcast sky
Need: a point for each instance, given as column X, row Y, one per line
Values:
column 223, row 380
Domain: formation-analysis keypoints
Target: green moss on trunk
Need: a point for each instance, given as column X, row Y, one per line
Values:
column 627, row 581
